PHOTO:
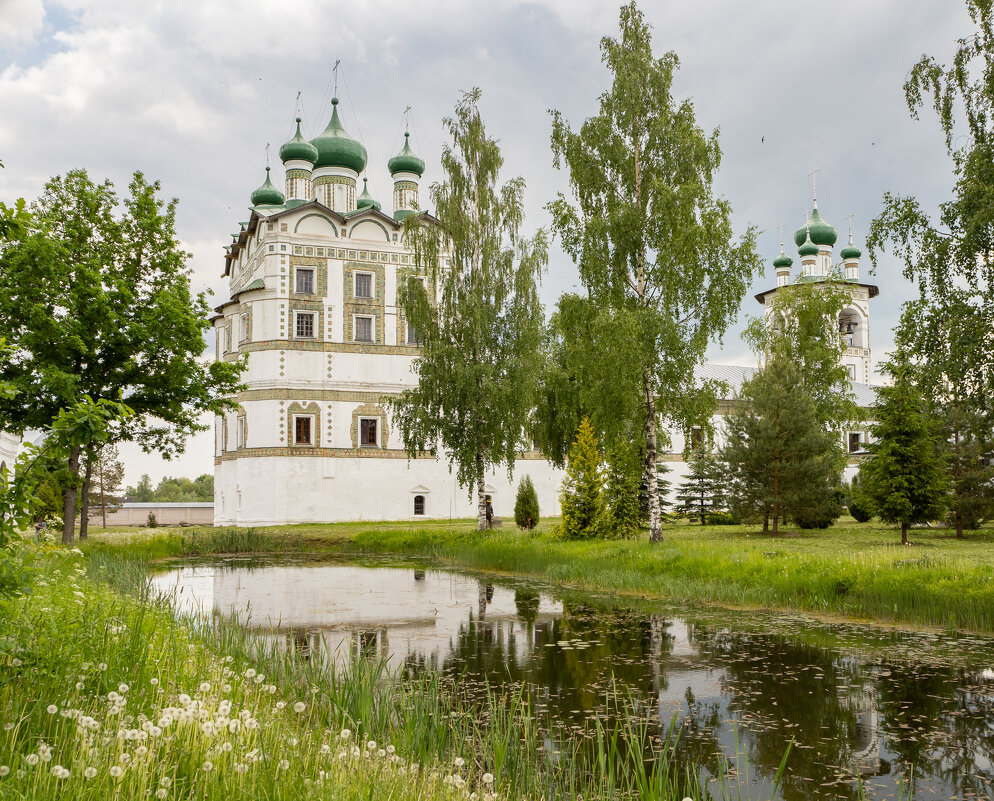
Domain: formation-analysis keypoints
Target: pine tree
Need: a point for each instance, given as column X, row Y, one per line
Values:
column 583, row 486
column 478, row 313
column 526, row 505
column 701, row 493
column 904, row 477
column 782, row 460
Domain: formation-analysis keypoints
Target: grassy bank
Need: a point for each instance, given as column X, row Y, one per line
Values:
column 857, row 571
column 105, row 693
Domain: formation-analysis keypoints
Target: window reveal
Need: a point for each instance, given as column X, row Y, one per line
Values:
column 302, row 430
column 305, row 281
column 363, row 329
column 368, row 432
column 304, row 325
column 363, row 285
column 419, row 504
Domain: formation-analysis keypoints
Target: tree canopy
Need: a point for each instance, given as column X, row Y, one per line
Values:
column 654, row 245
column 96, row 301
column 478, row 317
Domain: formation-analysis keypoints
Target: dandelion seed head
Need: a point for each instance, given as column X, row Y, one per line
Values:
column 488, row 778
column 153, row 681
column 51, row 709
column 162, row 792
column 116, row 771
column 31, row 759
column 300, row 706
column 90, row 772
column 346, row 734
column 371, row 745
column 122, row 688
column 205, row 687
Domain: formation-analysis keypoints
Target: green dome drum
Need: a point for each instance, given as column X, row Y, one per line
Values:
column 267, row 194
column 783, row 262
column 335, row 148
column 822, row 233
column 298, row 148
column 406, row 160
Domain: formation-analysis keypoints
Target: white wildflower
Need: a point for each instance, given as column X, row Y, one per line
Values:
column 300, row 706
column 346, row 734
column 116, row 771
column 51, row 709
column 90, row 772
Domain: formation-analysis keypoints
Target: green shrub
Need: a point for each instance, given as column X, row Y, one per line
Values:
column 151, row 522
column 859, row 512
column 620, row 507
column 526, row 505
column 721, row 519
column 819, row 517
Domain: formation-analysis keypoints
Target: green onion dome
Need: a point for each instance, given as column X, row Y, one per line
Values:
column 365, row 200
column 406, row 161
column 809, row 248
column 267, row 194
column 783, row 261
column 336, row 148
column 850, row 251
column 298, row 148
column 822, row 233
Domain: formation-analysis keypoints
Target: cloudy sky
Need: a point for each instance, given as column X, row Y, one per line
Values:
column 191, row 91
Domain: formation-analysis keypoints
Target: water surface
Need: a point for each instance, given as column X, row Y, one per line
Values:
column 860, row 703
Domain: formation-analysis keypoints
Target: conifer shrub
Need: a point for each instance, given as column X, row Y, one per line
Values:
column 151, row 522
column 621, row 509
column 581, row 501
column 526, row 505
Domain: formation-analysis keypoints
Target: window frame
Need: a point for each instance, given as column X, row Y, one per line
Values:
column 372, row 327
column 297, row 314
column 240, row 431
column 310, row 429
column 376, row 429
column 424, row 505
column 372, row 285
column 243, row 327
column 298, row 272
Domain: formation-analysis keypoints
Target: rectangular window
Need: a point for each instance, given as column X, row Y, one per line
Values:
column 302, row 430
column 367, row 432
column 854, row 442
column 363, row 285
column 243, row 328
column 304, row 281
column 303, row 327
column 241, row 432
column 363, row 329
column 696, row 438
column 412, row 336
column 852, row 372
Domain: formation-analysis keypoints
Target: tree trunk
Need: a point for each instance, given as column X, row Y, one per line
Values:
column 69, row 499
column 655, row 519
column 904, row 533
column 766, row 523
column 959, row 523
column 776, row 520
column 481, row 496
column 84, row 506
column 103, row 494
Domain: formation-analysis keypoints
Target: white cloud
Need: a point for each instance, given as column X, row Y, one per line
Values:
column 20, row 21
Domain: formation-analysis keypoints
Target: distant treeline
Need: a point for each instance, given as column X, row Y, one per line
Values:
column 173, row 490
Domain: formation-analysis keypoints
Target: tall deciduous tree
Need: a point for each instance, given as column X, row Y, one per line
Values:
column 948, row 331
column 97, row 302
column 904, row 476
column 481, row 328
column 781, row 457
column 653, row 244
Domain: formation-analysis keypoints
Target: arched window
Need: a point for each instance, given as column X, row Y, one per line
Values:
column 850, row 329
column 419, row 504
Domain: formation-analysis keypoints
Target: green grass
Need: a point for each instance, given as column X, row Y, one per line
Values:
column 855, row 571
column 105, row 693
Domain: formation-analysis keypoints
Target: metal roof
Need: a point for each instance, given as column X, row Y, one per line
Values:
column 735, row 375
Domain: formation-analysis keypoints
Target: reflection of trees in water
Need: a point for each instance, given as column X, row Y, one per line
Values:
column 783, row 690
column 939, row 724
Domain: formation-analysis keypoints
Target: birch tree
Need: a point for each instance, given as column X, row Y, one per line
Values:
column 653, row 244
column 477, row 315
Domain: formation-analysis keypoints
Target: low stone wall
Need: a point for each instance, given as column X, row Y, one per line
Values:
column 166, row 514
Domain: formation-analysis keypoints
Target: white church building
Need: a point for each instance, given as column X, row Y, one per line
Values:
column 313, row 276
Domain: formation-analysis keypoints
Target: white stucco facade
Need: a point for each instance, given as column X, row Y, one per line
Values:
column 10, row 446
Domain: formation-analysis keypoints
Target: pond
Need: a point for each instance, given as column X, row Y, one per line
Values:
column 861, row 704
